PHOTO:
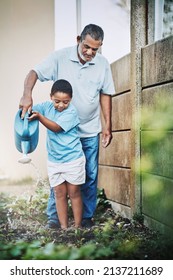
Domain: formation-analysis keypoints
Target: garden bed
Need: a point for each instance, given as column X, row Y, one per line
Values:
column 23, row 234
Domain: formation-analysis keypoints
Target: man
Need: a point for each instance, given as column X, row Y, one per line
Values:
column 90, row 76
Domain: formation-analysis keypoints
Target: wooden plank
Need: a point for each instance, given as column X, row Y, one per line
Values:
column 116, row 183
column 157, row 104
column 121, row 74
column 157, row 66
column 157, row 152
column 157, row 193
column 118, row 153
column 121, row 112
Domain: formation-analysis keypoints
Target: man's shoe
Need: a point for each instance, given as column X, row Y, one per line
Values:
column 87, row 223
column 52, row 225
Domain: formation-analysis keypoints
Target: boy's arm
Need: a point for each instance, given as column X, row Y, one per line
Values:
column 53, row 126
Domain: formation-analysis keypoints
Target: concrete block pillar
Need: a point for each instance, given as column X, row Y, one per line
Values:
column 138, row 40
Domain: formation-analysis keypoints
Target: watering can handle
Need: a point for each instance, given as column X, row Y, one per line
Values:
column 25, row 125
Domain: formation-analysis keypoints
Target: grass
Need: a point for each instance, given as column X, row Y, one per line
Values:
column 23, row 235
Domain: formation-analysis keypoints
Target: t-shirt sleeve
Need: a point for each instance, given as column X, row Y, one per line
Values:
column 68, row 120
column 47, row 69
column 41, row 107
column 38, row 108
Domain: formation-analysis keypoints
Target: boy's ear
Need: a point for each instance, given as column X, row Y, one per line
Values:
column 50, row 96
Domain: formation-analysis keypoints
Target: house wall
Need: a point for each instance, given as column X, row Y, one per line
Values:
column 27, row 36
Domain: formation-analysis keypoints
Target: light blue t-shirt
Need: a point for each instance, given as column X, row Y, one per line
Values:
column 63, row 146
column 88, row 82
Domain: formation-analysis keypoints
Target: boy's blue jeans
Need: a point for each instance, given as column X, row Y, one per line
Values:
column 90, row 147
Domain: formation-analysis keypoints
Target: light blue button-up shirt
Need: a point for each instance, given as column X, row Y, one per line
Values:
column 65, row 145
column 88, row 82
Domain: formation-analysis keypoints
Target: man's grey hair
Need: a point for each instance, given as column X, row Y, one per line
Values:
column 95, row 31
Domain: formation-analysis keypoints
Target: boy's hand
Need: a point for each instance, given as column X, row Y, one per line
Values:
column 34, row 116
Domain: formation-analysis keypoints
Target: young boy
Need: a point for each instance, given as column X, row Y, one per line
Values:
column 66, row 160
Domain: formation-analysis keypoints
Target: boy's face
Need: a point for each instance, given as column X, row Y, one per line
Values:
column 60, row 100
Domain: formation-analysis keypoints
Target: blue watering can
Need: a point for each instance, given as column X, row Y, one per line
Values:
column 26, row 135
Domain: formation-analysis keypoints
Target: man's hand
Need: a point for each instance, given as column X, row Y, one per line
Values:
column 25, row 104
column 106, row 138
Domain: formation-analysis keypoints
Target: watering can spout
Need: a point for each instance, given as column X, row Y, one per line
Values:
column 26, row 135
column 25, row 145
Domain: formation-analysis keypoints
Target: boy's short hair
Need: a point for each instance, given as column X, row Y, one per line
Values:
column 62, row 86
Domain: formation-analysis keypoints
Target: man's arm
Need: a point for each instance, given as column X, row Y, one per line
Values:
column 26, row 101
column 106, row 106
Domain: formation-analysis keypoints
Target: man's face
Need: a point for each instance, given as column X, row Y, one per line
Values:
column 88, row 48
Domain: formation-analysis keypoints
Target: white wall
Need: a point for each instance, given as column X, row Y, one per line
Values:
column 27, row 36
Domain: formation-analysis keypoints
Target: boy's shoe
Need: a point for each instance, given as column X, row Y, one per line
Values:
column 87, row 223
column 52, row 225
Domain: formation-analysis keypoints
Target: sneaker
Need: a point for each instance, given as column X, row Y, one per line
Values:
column 87, row 223
column 52, row 225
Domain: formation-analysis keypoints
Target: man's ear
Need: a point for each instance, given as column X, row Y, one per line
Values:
column 78, row 39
